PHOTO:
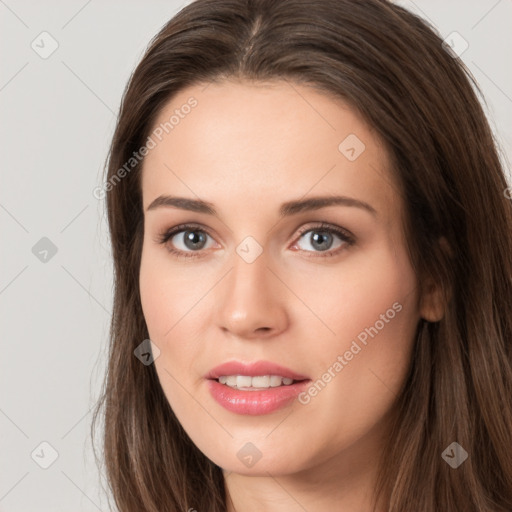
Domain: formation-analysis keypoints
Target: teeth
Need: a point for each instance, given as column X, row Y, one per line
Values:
column 243, row 381
column 231, row 380
column 275, row 381
column 259, row 382
column 262, row 381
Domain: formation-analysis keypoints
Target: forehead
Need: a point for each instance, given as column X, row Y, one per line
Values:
column 244, row 141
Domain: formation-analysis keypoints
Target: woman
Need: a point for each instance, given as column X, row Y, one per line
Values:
column 313, row 276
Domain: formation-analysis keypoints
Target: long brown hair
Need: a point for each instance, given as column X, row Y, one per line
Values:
column 392, row 68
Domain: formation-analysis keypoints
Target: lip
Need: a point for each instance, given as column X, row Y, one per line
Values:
column 254, row 402
column 253, row 370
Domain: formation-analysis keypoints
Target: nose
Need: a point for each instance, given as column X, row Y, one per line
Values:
column 251, row 301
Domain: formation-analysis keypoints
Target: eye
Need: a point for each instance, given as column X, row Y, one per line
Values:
column 185, row 240
column 321, row 238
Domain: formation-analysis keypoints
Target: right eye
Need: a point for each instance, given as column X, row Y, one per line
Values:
column 185, row 240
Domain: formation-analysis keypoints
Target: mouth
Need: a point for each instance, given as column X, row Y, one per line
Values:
column 256, row 388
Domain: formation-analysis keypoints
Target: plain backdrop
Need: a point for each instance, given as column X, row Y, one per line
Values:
column 57, row 115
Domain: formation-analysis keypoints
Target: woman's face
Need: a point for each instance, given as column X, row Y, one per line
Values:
column 260, row 277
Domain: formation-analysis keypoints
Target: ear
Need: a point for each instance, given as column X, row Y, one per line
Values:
column 434, row 298
column 432, row 302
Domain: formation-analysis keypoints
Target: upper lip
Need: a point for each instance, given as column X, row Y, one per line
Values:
column 253, row 369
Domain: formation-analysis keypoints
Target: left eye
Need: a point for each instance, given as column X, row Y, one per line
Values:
column 321, row 239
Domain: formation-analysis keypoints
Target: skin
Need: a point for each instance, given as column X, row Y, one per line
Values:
column 247, row 148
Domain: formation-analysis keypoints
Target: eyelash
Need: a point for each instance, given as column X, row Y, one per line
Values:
column 343, row 234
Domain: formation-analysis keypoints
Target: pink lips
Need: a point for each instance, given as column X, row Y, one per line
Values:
column 254, row 402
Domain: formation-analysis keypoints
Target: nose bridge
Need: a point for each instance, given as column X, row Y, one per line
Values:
column 250, row 299
column 249, row 277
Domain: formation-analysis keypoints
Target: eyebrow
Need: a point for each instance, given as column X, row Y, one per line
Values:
column 286, row 209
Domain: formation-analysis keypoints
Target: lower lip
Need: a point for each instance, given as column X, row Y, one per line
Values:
column 255, row 402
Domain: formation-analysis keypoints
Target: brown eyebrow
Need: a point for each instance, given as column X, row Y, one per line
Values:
column 286, row 209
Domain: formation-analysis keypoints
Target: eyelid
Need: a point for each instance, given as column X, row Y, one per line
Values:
column 169, row 233
column 325, row 226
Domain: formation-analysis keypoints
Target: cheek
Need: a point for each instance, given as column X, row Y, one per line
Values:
column 167, row 299
column 168, row 293
column 372, row 309
column 173, row 302
column 376, row 287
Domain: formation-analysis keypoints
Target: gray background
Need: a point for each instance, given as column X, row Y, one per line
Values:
column 58, row 115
